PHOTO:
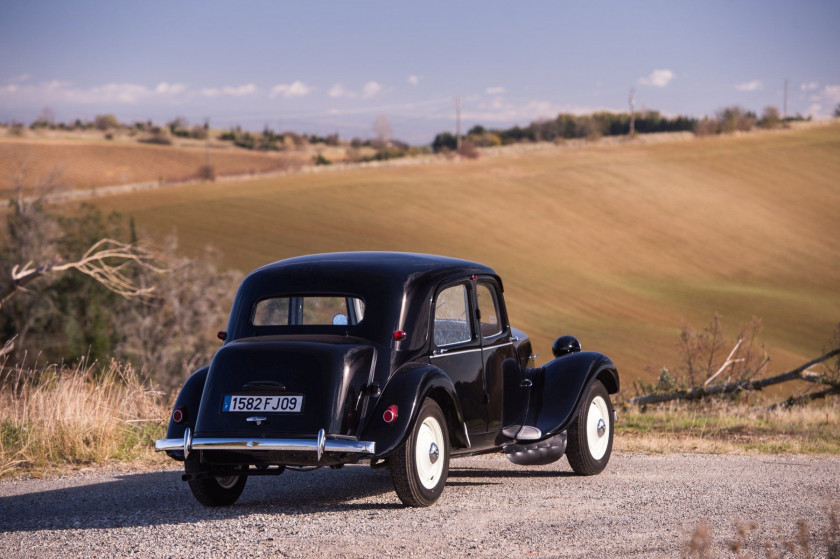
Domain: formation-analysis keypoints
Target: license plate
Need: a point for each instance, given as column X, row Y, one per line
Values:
column 290, row 403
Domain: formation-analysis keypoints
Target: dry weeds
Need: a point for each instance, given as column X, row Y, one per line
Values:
column 55, row 417
column 751, row 541
column 746, row 427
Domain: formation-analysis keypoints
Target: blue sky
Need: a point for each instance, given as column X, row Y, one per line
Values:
column 335, row 66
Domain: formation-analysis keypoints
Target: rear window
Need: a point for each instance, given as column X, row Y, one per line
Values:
column 309, row 310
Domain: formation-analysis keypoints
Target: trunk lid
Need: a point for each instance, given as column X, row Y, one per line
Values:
column 329, row 373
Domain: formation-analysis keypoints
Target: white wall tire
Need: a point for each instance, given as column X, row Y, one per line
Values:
column 591, row 433
column 420, row 464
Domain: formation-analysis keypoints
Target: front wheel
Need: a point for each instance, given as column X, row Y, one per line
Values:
column 591, row 433
column 210, row 490
column 420, row 464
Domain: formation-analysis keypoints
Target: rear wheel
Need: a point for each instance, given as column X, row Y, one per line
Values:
column 420, row 464
column 591, row 433
column 210, row 490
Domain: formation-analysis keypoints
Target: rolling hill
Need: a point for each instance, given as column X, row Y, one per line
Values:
column 616, row 244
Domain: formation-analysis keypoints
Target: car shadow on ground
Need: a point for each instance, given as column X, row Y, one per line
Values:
column 161, row 498
column 522, row 472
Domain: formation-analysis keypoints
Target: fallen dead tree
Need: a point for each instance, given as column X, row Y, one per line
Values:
column 800, row 373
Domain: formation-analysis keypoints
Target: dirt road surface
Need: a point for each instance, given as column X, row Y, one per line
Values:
column 644, row 506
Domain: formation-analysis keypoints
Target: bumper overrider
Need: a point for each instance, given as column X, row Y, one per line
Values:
column 318, row 445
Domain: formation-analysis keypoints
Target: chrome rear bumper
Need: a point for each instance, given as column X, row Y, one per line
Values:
column 319, row 445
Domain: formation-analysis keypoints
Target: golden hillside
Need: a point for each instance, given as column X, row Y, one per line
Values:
column 614, row 244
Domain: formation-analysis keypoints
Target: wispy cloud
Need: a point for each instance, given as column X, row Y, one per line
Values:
column 413, row 79
column 753, row 85
column 21, row 78
column 170, row 88
column 831, row 93
column 295, row 89
column 230, row 90
column 810, row 86
column 495, row 90
column 371, row 89
column 658, row 78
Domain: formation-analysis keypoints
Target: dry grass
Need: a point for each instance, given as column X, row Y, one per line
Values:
column 89, row 164
column 754, row 541
column 57, row 417
column 617, row 245
column 725, row 428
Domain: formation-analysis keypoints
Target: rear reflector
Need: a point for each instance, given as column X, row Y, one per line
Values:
column 390, row 414
column 179, row 415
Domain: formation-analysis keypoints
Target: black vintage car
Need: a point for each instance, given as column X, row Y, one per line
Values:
column 402, row 360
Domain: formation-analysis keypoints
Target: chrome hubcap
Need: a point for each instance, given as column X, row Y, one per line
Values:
column 602, row 427
column 434, row 453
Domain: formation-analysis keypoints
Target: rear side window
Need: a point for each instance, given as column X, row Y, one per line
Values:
column 309, row 311
column 452, row 324
column 488, row 307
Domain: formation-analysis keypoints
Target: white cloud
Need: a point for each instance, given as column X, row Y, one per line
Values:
column 229, row 90
column 338, row 91
column 170, row 88
column 753, row 85
column 292, row 90
column 413, row 80
column 658, row 78
column 122, row 93
column 832, row 93
column 810, row 86
column 21, row 78
column 371, row 89
column 814, row 110
column 496, row 90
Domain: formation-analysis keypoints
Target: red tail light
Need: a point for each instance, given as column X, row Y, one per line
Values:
column 390, row 414
column 399, row 335
column 179, row 415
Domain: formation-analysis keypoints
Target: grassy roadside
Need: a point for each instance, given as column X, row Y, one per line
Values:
column 727, row 428
column 58, row 419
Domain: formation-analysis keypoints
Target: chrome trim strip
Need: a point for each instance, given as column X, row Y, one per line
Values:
column 456, row 352
column 291, row 445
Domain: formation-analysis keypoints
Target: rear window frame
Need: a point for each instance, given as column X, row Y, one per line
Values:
column 305, row 328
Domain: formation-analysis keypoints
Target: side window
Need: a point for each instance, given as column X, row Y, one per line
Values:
column 488, row 307
column 452, row 324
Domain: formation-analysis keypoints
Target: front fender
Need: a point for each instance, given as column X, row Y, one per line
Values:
column 559, row 386
column 407, row 388
column 189, row 397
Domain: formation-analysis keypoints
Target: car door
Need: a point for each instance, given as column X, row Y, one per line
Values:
column 496, row 346
column 456, row 349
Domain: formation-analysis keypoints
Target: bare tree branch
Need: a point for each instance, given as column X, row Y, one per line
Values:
column 729, row 361
column 699, row 393
column 105, row 261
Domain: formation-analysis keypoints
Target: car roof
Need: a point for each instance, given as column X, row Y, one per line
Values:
column 395, row 286
column 392, row 264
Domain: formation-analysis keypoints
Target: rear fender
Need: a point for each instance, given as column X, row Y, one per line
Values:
column 407, row 389
column 189, row 398
column 556, row 390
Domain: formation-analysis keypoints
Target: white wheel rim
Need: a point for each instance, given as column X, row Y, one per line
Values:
column 429, row 463
column 598, row 428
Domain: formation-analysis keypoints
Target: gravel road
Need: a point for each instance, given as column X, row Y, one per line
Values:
column 641, row 505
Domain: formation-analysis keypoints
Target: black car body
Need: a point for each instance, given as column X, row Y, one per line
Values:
column 400, row 359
